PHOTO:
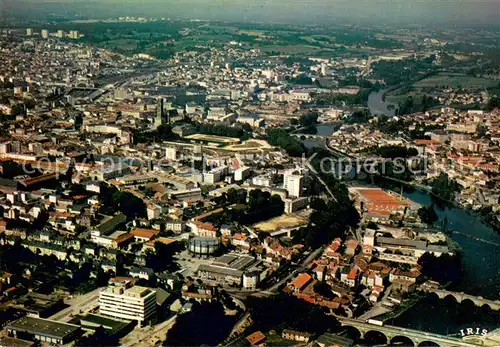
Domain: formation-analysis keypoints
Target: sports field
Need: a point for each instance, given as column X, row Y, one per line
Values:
column 250, row 145
column 214, row 139
column 282, row 222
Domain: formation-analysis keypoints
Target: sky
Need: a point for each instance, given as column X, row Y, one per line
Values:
column 438, row 12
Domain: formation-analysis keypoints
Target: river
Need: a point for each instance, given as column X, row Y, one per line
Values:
column 377, row 105
column 324, row 129
column 481, row 277
column 480, row 262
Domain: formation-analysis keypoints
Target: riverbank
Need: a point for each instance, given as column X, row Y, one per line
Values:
column 445, row 203
column 405, row 305
column 480, row 277
column 378, row 105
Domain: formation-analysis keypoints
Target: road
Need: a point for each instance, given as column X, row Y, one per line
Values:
column 303, row 265
column 328, row 190
column 239, row 327
column 79, row 303
column 148, row 336
column 242, row 295
column 377, row 309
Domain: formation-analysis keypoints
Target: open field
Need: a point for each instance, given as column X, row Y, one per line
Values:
column 455, row 81
column 249, row 146
column 251, row 33
column 282, row 222
column 289, row 49
column 213, row 138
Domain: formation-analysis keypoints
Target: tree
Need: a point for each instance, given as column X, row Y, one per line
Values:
column 279, row 137
column 330, row 220
column 324, row 290
column 493, row 103
column 359, row 117
column 309, row 119
column 161, row 257
column 428, row 214
column 372, row 225
column 206, row 324
column 287, row 312
column 443, row 269
column 396, row 152
column 97, row 339
column 125, row 202
column 444, row 187
column 164, row 131
column 17, row 109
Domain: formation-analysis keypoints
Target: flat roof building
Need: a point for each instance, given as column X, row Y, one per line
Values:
column 113, row 327
column 43, row 330
column 230, row 270
column 13, row 342
column 126, row 301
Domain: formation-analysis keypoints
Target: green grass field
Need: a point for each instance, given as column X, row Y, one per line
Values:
column 289, row 49
column 456, row 81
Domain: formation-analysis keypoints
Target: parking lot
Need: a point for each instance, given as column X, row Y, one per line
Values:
column 189, row 263
column 78, row 304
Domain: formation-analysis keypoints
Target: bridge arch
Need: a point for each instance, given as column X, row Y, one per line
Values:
column 486, row 308
column 428, row 344
column 374, row 337
column 351, row 332
column 434, row 296
column 451, row 297
column 468, row 302
column 400, row 340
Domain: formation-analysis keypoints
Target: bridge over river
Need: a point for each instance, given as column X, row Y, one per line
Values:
column 461, row 297
column 401, row 336
column 310, row 136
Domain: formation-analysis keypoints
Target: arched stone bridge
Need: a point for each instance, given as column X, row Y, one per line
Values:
column 460, row 297
column 310, row 136
column 406, row 337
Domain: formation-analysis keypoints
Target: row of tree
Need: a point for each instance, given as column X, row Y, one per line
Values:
column 114, row 200
column 260, row 206
column 444, row 187
column 281, row 138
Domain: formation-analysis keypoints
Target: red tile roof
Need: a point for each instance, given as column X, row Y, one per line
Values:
column 256, row 338
column 123, row 238
column 206, row 226
column 144, row 233
column 352, row 274
column 301, row 281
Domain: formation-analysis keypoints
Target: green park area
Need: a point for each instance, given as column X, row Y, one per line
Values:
column 455, row 81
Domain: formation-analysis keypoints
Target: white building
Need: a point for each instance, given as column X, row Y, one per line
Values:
column 171, row 153
column 241, row 173
column 45, row 34
column 176, row 226
column 369, row 237
column 294, row 205
column 153, row 211
column 293, row 184
column 251, row 280
column 128, row 302
column 264, row 181
column 36, row 148
column 253, row 121
column 215, row 175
